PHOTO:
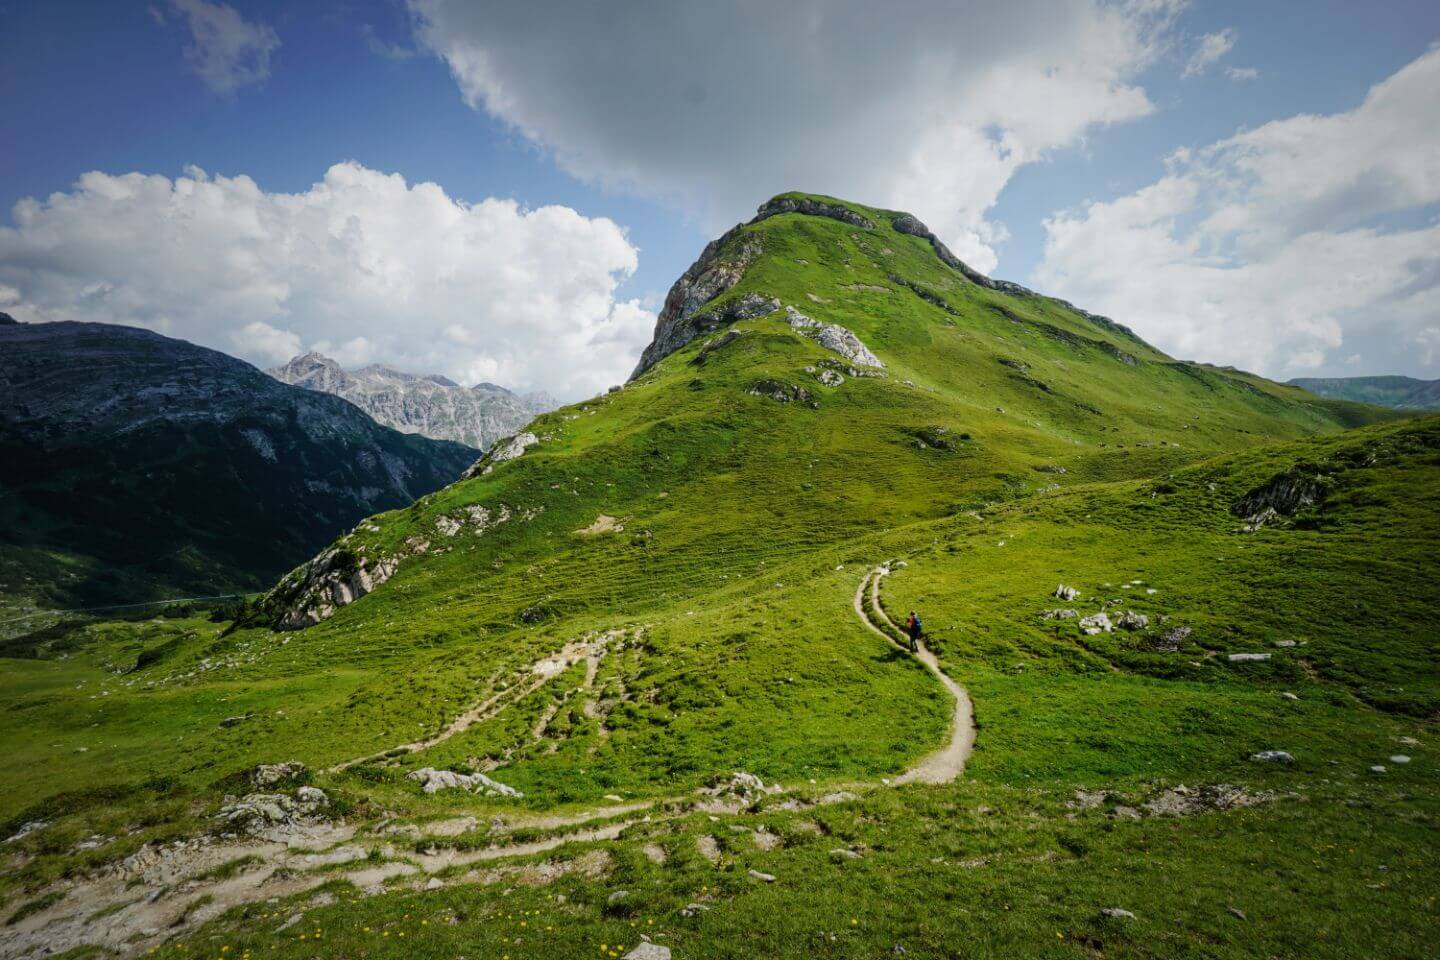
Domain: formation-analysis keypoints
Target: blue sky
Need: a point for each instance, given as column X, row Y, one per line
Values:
column 618, row 119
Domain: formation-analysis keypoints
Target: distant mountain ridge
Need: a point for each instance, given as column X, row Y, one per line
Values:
column 431, row 405
column 1401, row 393
column 133, row 464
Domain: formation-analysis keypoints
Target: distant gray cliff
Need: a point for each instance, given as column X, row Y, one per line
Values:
column 432, row 406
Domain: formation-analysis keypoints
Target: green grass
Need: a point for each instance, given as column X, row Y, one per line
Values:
column 747, row 526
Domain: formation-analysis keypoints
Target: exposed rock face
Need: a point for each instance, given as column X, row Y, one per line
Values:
column 834, row 337
column 432, row 406
column 811, row 207
column 1284, row 494
column 782, row 392
column 508, row 448
column 257, row 812
column 905, row 223
column 315, row 590
column 434, row 780
column 721, row 265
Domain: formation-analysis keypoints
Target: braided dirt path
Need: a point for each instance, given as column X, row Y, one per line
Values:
column 947, row 763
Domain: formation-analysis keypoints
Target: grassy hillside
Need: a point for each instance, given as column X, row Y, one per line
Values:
column 660, row 592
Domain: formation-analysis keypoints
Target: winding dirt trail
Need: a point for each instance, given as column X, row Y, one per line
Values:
column 110, row 908
column 947, row 763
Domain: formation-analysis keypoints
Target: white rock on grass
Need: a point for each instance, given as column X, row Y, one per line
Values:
column 433, row 780
column 648, row 951
column 1116, row 913
column 1096, row 623
column 1063, row 592
column 1247, row 657
column 1272, row 756
column 1400, row 758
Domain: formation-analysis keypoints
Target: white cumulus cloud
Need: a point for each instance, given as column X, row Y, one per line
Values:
column 1276, row 247
column 226, row 50
column 362, row 264
column 926, row 105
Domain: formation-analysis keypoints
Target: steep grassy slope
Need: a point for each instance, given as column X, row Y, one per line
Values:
column 705, row 542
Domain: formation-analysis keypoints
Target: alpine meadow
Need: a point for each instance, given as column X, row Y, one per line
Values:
column 636, row 678
column 820, row 480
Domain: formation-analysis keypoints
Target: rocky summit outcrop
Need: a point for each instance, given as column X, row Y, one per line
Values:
column 431, row 405
column 811, row 207
column 720, row 266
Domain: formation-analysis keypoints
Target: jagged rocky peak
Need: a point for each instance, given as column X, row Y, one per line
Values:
column 431, row 405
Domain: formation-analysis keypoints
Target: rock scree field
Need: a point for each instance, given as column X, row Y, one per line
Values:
column 633, row 688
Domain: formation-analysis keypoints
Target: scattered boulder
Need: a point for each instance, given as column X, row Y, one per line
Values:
column 1063, row 592
column 782, row 392
column 715, row 345
column 830, row 378
column 1169, row 641
column 1247, row 657
column 1116, row 913
column 646, row 950
column 1287, row 695
column 843, row 853
column 267, row 775
column 1096, row 623
column 746, row 786
column 433, row 780
column 763, row 877
column 1062, row 614
column 1130, row 620
column 833, row 337
column 1272, row 756
column 507, row 449
column 1399, row 758
column 1284, row 643
column 313, row 796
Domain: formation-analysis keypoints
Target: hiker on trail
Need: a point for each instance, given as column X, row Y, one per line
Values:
column 915, row 630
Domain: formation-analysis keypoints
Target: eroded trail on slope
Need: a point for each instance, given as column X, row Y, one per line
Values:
column 166, row 891
column 947, row 763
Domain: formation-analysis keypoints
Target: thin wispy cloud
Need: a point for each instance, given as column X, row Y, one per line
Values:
column 227, row 51
column 1208, row 51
